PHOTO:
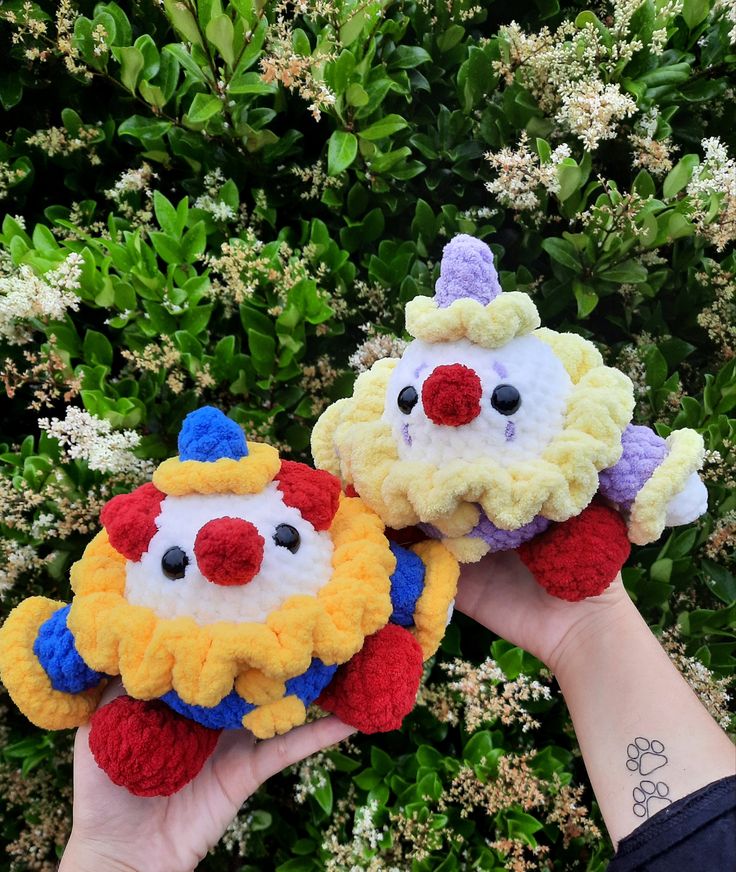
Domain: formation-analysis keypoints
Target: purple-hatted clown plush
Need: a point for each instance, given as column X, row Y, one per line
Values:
column 492, row 434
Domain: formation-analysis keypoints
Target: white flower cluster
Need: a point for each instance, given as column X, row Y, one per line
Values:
column 210, row 201
column 521, row 174
column 85, row 437
column 138, row 179
column 25, row 295
column 727, row 9
column 712, row 189
column 591, row 110
column 569, row 70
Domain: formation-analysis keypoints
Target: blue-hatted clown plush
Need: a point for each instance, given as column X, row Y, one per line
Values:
column 233, row 591
column 495, row 434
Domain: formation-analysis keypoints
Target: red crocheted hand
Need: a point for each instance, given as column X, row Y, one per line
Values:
column 147, row 747
column 580, row 557
column 377, row 687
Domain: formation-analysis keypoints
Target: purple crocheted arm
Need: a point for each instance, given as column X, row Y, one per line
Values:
column 642, row 454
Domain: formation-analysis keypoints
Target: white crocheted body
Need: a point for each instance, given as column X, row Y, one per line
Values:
column 282, row 573
column 527, row 363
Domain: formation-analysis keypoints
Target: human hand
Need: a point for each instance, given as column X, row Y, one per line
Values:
column 500, row 593
column 115, row 831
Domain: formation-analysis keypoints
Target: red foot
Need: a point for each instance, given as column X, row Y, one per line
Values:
column 580, row 557
column 147, row 747
column 377, row 688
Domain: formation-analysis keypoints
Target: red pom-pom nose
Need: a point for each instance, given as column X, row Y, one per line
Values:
column 229, row 551
column 451, row 395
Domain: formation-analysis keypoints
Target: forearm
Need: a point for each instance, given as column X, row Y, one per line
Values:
column 620, row 686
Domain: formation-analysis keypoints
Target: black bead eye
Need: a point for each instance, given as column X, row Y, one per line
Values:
column 174, row 562
column 505, row 399
column 287, row 537
column 407, row 399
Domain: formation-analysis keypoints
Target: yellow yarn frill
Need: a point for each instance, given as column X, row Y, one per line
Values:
column 154, row 655
column 26, row 680
column 649, row 511
column 507, row 316
column 249, row 475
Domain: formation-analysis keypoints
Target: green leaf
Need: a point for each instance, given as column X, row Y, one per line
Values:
column 569, row 176
column 131, row 65
column 450, row 37
column 694, row 12
column 323, row 795
column 97, row 349
column 387, row 126
column 644, row 184
column 221, row 34
column 352, row 28
column 356, row 95
column 563, row 252
column 342, row 150
column 381, row 761
column 183, row 21
column 680, row 174
column 543, row 150
column 367, row 779
column 251, row 83
column 183, row 55
column 194, row 242
column 478, row 748
column 167, row 247
column 263, row 351
column 253, row 48
column 194, row 320
column 204, row 107
column 146, row 130
column 406, row 57
column 11, row 90
column 656, row 367
column 628, row 272
column 166, row 215
column 586, row 298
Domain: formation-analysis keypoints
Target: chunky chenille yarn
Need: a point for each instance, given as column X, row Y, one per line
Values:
column 231, row 592
column 492, row 433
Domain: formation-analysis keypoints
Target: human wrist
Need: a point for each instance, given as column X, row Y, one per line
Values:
column 599, row 625
column 86, row 855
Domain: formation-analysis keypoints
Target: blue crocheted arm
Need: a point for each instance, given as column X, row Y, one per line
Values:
column 56, row 652
column 407, row 584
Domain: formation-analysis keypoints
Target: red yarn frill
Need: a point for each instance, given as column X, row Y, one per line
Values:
column 377, row 688
column 130, row 520
column 229, row 551
column 581, row 556
column 451, row 395
column 147, row 748
column 315, row 492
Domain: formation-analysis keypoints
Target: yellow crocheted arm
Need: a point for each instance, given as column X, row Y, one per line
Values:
column 28, row 682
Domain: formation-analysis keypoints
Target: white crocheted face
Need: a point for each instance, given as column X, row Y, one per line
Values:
column 522, row 390
column 284, row 571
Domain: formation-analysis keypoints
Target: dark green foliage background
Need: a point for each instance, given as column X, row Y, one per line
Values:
column 418, row 103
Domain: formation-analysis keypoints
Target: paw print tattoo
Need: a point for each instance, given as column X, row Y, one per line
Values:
column 650, row 797
column 645, row 756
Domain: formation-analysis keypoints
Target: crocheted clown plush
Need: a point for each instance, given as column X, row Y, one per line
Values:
column 492, row 434
column 233, row 591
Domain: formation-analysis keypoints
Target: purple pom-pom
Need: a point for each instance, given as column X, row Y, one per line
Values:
column 467, row 271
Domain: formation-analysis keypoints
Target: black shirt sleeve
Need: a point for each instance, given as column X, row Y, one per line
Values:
column 695, row 834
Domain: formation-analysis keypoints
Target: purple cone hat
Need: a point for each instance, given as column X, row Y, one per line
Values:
column 469, row 302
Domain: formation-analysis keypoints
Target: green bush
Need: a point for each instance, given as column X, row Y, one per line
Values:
column 230, row 203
